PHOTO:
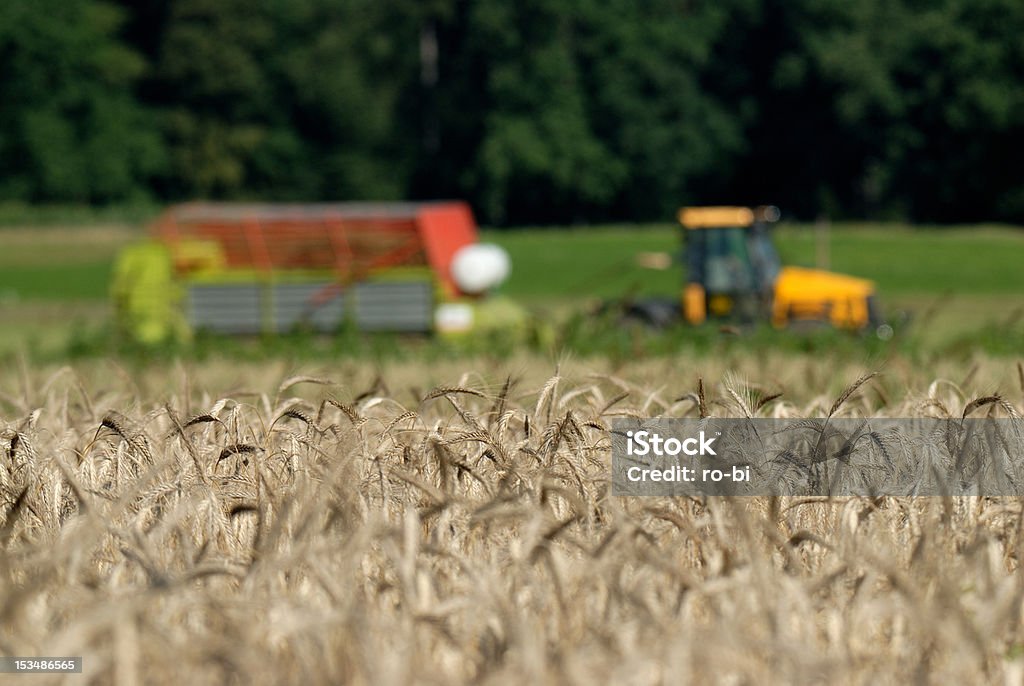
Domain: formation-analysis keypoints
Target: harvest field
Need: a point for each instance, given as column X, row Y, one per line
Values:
column 228, row 523
column 446, row 519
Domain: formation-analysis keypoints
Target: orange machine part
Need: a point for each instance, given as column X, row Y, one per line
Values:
column 444, row 229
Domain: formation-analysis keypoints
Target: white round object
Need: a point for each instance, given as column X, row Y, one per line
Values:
column 479, row 267
column 453, row 318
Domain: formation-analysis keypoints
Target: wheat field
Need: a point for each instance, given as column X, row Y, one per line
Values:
column 218, row 523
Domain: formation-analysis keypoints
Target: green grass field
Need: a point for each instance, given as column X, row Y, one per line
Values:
column 953, row 280
column 576, row 263
column 979, row 260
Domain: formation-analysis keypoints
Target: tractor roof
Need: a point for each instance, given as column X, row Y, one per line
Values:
column 715, row 217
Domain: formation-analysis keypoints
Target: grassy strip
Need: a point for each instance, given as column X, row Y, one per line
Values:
column 586, row 335
column 574, row 263
column 900, row 261
column 56, row 282
column 16, row 216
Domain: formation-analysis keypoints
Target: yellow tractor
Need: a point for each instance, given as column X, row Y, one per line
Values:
column 733, row 272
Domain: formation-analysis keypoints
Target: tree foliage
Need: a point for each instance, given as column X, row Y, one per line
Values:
column 70, row 126
column 536, row 111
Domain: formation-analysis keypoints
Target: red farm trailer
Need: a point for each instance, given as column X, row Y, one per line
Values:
column 271, row 268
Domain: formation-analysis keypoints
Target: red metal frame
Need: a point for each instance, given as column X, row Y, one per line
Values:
column 350, row 239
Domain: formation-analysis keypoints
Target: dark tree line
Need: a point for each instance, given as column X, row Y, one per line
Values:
column 535, row 111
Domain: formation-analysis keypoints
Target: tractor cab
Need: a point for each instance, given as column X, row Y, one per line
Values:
column 731, row 262
column 734, row 272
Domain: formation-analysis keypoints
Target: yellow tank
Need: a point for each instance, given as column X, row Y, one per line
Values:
column 814, row 294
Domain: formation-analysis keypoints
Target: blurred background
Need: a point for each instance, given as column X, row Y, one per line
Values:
column 860, row 116
column 536, row 112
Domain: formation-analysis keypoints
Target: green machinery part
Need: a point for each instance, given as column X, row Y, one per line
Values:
column 146, row 295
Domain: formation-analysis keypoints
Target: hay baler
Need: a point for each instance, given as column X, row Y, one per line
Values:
column 272, row 268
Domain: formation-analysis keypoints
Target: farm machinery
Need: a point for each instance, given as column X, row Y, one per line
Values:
column 272, row 268
column 733, row 272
